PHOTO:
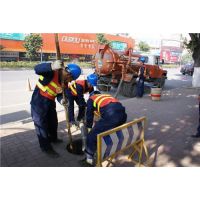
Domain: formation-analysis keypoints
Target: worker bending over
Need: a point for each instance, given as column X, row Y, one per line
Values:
column 43, row 105
column 75, row 93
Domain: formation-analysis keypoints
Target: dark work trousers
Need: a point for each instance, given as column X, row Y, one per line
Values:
column 113, row 115
column 43, row 112
column 140, row 87
column 81, row 107
column 198, row 129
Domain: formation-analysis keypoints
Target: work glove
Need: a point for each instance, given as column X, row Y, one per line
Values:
column 63, row 102
column 89, row 129
column 56, row 65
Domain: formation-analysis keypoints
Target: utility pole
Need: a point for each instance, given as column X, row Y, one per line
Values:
column 41, row 54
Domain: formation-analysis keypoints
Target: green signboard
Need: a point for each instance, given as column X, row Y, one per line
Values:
column 12, row 36
column 119, row 46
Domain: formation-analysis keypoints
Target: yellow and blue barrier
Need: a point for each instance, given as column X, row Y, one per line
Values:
column 115, row 141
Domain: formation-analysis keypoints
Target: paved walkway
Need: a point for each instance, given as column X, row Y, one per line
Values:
column 171, row 121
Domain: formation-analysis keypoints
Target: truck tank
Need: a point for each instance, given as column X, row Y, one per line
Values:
column 113, row 67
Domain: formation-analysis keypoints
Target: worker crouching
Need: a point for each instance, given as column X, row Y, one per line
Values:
column 112, row 115
column 75, row 93
column 43, row 107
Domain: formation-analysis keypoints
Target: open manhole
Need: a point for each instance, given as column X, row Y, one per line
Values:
column 76, row 147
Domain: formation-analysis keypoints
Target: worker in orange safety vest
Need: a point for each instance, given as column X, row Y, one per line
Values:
column 112, row 114
column 75, row 93
column 43, row 105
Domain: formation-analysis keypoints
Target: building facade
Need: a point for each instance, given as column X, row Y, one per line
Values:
column 80, row 46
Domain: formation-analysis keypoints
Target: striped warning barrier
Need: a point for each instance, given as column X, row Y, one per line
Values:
column 115, row 141
column 156, row 94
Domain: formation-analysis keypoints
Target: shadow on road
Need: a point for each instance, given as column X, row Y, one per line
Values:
column 15, row 116
column 171, row 122
column 22, row 150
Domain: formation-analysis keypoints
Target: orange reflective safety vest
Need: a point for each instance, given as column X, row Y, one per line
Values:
column 101, row 100
column 73, row 89
column 51, row 89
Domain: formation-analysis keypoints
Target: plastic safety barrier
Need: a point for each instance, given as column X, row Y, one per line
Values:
column 115, row 141
column 156, row 94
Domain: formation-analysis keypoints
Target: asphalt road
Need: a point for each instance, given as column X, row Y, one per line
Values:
column 15, row 96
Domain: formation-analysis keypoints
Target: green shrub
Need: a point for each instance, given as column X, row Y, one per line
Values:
column 19, row 64
column 31, row 65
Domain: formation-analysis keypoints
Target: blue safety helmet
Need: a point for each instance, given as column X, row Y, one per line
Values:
column 74, row 69
column 142, row 59
column 95, row 92
column 92, row 79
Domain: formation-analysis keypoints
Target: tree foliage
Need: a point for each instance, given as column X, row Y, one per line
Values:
column 143, row 46
column 101, row 39
column 194, row 47
column 32, row 44
column 187, row 58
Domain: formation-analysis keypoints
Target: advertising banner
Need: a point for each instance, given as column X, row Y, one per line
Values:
column 12, row 36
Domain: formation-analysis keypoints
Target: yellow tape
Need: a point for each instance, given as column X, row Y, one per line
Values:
column 99, row 96
column 41, row 77
column 99, row 103
column 73, row 88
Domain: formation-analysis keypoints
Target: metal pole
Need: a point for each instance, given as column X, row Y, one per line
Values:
column 41, row 54
column 58, row 55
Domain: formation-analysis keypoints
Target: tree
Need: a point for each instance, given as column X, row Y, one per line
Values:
column 32, row 44
column 1, row 47
column 143, row 46
column 194, row 46
column 186, row 58
column 101, row 39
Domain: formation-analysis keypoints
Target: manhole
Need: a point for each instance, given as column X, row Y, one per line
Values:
column 76, row 147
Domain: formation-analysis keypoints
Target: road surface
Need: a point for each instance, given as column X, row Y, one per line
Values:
column 15, row 96
column 170, row 122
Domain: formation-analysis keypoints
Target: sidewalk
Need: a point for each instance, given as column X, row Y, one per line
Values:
column 171, row 121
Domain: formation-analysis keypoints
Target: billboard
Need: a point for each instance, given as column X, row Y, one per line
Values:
column 119, row 46
column 171, row 43
column 70, row 43
column 170, row 51
column 12, row 36
column 81, row 43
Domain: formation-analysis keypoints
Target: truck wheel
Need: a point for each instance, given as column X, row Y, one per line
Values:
column 129, row 89
column 160, row 82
